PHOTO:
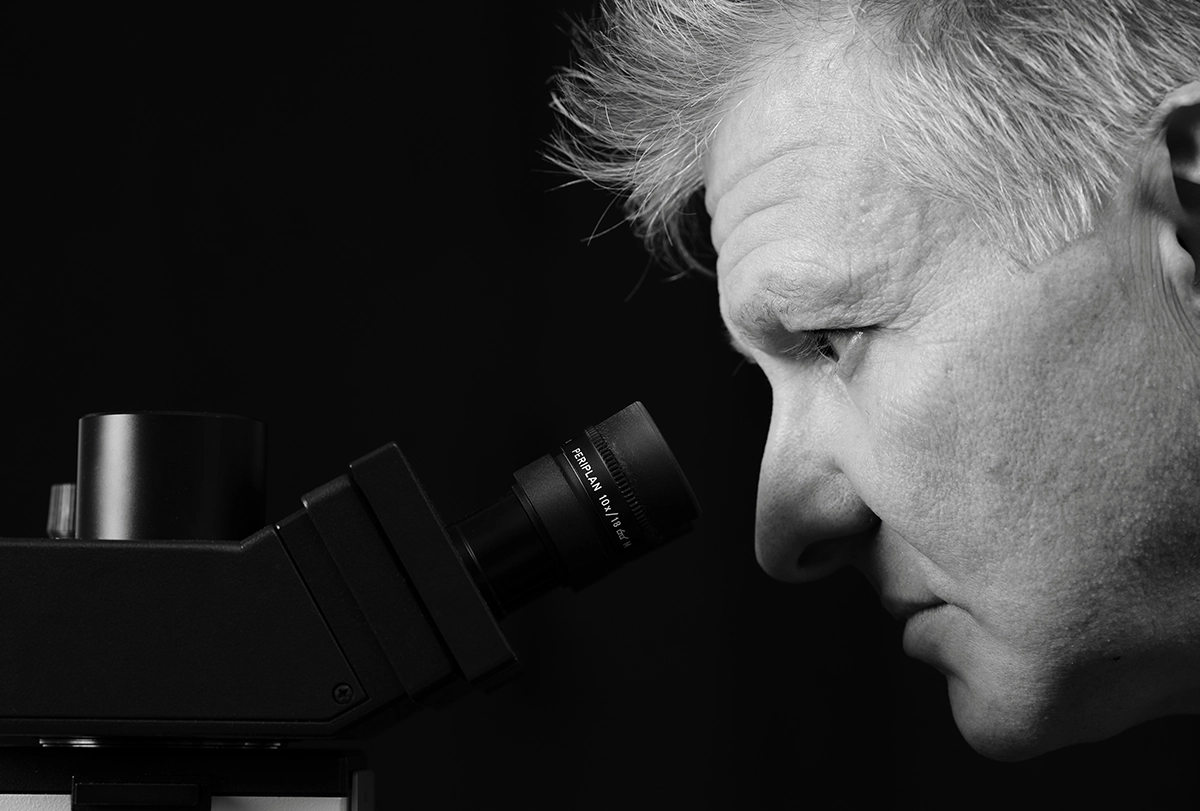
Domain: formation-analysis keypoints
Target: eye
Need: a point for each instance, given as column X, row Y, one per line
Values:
column 828, row 344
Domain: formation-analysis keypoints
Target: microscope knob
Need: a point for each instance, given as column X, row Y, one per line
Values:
column 60, row 523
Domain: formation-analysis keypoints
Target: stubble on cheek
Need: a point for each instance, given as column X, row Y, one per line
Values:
column 1057, row 488
column 971, row 503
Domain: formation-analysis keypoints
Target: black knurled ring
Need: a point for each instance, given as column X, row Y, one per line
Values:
column 614, row 469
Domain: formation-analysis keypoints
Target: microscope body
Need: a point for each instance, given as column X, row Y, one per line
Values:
column 301, row 630
column 164, row 649
column 179, row 670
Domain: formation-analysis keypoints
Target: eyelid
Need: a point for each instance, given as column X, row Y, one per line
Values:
column 852, row 353
column 818, row 343
column 806, row 345
column 842, row 348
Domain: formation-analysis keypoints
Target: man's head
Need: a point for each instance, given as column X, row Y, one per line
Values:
column 959, row 243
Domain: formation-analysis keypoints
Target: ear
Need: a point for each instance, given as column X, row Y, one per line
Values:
column 1174, row 180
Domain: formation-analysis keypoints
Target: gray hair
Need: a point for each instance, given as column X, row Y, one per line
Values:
column 1026, row 111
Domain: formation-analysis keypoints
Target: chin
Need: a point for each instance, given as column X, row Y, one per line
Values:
column 1013, row 706
column 993, row 730
column 1015, row 724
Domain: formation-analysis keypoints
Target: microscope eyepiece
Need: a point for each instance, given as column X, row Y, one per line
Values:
column 605, row 497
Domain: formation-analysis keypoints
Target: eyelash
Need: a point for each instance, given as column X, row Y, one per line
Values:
column 814, row 344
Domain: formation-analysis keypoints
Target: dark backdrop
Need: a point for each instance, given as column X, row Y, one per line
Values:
column 339, row 223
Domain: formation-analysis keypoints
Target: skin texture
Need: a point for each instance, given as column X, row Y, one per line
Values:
column 1014, row 445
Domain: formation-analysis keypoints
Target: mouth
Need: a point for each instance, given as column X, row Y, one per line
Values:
column 905, row 609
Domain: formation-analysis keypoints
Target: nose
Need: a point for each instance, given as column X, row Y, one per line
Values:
column 809, row 515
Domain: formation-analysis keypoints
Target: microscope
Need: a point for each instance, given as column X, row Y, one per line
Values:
column 165, row 650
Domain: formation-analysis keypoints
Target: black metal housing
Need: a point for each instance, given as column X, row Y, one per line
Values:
column 353, row 609
column 331, row 623
column 165, row 672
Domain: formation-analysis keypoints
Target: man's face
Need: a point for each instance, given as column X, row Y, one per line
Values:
column 1008, row 453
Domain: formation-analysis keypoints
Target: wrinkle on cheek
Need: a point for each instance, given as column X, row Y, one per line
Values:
column 914, row 419
column 1066, row 469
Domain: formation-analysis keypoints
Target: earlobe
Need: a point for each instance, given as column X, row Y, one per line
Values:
column 1179, row 266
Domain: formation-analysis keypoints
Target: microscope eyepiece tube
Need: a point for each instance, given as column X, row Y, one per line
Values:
column 605, row 497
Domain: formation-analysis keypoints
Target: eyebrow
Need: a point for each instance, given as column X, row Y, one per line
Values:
column 763, row 313
column 759, row 324
column 764, row 319
column 753, row 322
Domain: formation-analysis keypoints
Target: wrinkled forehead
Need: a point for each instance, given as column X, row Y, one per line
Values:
column 796, row 173
column 811, row 96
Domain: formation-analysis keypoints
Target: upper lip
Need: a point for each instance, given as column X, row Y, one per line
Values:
column 902, row 608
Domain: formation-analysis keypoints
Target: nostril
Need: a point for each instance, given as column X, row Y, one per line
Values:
column 824, row 557
column 820, row 559
column 816, row 554
column 799, row 551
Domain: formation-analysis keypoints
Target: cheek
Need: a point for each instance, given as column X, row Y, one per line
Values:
column 1031, row 465
column 971, row 429
column 922, row 410
column 1034, row 457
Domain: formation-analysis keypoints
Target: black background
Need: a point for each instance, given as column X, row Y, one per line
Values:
column 339, row 223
